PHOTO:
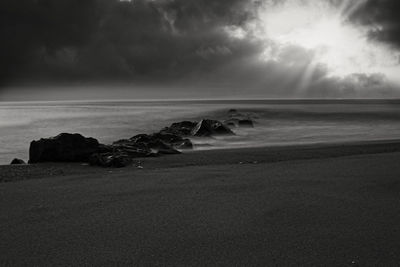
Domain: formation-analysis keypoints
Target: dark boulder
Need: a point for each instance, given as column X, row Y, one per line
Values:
column 64, row 147
column 17, row 162
column 116, row 160
column 211, row 127
column 245, row 123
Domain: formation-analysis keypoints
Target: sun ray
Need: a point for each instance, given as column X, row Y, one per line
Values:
column 306, row 77
column 321, row 27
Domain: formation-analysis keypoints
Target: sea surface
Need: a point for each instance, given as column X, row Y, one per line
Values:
column 277, row 122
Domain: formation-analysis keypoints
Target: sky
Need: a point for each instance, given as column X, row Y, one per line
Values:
column 190, row 49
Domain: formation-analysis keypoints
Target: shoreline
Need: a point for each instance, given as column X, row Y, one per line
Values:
column 245, row 155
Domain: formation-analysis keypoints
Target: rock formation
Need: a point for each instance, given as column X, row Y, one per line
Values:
column 68, row 147
column 64, row 147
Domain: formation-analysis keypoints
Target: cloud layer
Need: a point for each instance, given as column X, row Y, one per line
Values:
column 382, row 17
column 205, row 43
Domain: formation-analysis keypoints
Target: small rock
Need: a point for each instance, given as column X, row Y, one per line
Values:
column 17, row 162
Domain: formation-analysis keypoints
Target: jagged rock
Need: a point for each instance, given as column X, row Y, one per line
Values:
column 167, row 137
column 246, row 123
column 163, row 143
column 17, row 162
column 117, row 160
column 211, row 127
column 141, row 138
column 64, row 147
column 183, row 128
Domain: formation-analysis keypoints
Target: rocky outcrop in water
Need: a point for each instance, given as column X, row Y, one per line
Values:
column 237, row 119
column 170, row 140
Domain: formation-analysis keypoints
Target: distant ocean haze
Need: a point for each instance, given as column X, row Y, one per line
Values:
column 276, row 122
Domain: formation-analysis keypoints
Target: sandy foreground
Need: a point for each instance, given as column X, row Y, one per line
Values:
column 312, row 205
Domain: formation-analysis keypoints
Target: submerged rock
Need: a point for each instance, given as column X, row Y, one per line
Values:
column 64, row 147
column 237, row 119
column 17, row 162
column 206, row 128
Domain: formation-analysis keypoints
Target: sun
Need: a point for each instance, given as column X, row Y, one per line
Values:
column 322, row 28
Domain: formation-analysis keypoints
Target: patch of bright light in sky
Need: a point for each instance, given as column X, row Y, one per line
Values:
column 323, row 29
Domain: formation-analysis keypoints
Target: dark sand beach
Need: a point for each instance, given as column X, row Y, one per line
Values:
column 311, row 205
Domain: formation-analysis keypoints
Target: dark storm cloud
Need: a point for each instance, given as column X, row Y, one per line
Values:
column 29, row 27
column 187, row 43
column 383, row 19
column 110, row 39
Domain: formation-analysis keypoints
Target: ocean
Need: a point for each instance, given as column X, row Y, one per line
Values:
column 277, row 122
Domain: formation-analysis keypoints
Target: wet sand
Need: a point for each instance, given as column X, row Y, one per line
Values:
column 335, row 205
